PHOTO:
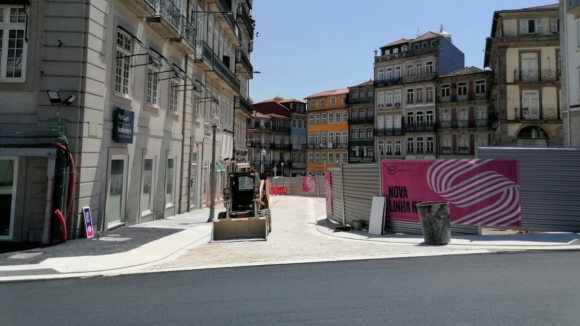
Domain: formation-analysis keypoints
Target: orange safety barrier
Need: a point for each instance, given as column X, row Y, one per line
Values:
column 279, row 190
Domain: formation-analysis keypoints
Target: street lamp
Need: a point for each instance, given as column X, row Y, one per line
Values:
column 214, row 123
column 275, row 170
column 262, row 160
column 282, row 168
column 55, row 100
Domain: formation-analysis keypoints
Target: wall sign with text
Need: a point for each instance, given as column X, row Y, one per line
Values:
column 123, row 122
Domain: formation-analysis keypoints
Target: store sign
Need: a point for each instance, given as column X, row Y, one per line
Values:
column 123, row 121
column 88, row 222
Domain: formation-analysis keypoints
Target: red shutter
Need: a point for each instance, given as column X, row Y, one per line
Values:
column 454, row 144
column 472, row 144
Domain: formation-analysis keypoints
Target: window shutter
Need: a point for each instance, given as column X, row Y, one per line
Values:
column 553, row 25
column 523, row 26
column 539, row 27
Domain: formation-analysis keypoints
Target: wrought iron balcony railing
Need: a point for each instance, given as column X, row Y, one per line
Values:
column 242, row 58
column 463, row 150
column 406, row 54
column 544, row 75
column 205, row 53
column 388, row 82
column 419, row 126
column 240, row 103
column 446, row 150
column 244, row 16
column 363, row 120
column 419, row 77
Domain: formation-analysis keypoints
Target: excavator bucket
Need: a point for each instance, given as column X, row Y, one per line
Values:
column 240, row 229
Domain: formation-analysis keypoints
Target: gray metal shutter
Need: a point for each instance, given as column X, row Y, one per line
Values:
column 549, row 183
column 361, row 183
column 415, row 228
column 337, row 197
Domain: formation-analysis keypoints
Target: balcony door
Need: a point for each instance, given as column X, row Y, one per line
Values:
column 531, row 105
column 529, row 67
column 117, row 191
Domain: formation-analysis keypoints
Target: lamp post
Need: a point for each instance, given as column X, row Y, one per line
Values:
column 282, row 164
column 262, row 160
column 214, row 123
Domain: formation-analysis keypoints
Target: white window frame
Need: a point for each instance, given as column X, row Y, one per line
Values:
column 322, row 102
column 122, row 77
column 317, row 119
column 149, row 210
column 331, row 118
column 152, row 95
column 5, row 28
column 332, row 101
column 174, row 96
column 311, row 119
column 480, row 87
column 312, row 104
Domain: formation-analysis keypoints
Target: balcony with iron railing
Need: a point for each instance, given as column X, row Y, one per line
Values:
column 406, row 54
column 361, row 120
column 285, row 129
column 244, row 17
column 446, row 150
column 358, row 100
column 225, row 7
column 243, row 62
column 298, row 165
column 242, row 105
column 398, row 131
column 573, row 6
column 547, row 114
column 537, row 76
column 281, row 146
column 462, row 123
column 419, row 77
column 206, row 58
column 463, row 150
column 388, row 82
column 186, row 40
column 257, row 126
column 419, row 127
column 167, row 18
column 299, row 147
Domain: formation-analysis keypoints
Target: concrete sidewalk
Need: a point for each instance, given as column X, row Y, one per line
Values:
column 301, row 234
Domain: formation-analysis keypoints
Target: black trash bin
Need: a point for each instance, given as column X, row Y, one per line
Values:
column 434, row 218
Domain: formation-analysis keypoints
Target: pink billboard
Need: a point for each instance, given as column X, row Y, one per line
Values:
column 480, row 192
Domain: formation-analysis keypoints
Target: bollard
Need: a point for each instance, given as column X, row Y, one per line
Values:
column 435, row 224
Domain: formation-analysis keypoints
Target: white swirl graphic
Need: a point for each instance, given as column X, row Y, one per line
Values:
column 493, row 198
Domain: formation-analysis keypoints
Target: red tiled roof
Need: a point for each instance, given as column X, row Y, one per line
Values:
column 463, row 71
column 259, row 115
column 537, row 8
column 401, row 41
column 330, row 93
column 425, row 36
column 271, row 106
column 291, row 100
column 367, row 83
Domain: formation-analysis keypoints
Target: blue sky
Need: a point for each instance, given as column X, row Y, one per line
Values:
column 310, row 46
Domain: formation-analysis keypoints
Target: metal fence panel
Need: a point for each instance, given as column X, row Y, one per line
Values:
column 337, row 197
column 361, row 182
column 550, row 185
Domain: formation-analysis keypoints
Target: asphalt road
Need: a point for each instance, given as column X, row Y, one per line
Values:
column 494, row 289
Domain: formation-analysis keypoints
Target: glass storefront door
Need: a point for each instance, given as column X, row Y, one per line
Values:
column 116, row 191
column 8, row 172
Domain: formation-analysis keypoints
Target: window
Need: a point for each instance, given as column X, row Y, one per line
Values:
column 311, row 105
column 462, row 90
column 317, row 138
column 410, row 69
column 397, row 98
column 410, row 119
column 331, row 137
column 343, row 99
column 148, row 188
column 331, row 118
column 370, row 112
column 369, row 152
column 301, row 123
column 169, row 184
column 361, row 93
column 420, row 145
column 429, row 67
column 463, row 147
column 554, row 25
column 345, row 137
column 409, row 96
column 429, row 94
column 293, row 123
column 324, row 157
column 397, row 72
column 324, row 121
column 416, row 46
column 310, row 139
column 445, row 91
column 317, row 119
column 530, row 104
column 173, row 96
column 322, row 102
column 430, row 144
column 311, row 119
column 410, row 145
column 353, row 134
column 531, row 26
column 316, row 157
column 429, row 118
column 345, row 157
column 153, row 84
column 389, row 99
column 381, row 148
column 419, row 95
column 361, row 134
column 397, row 147
column 389, row 76
column 354, row 95
column 389, row 147
column 331, row 157
column 369, row 93
column 310, row 157
column 480, row 87
column 420, row 69
column 333, row 101
column 380, row 75
column 369, row 134
column 8, row 184
column 124, row 50
column 12, row 44
column 345, row 116
column 481, row 140
column 324, row 138
column 338, row 117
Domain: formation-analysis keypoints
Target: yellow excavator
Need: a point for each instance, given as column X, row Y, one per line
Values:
column 247, row 215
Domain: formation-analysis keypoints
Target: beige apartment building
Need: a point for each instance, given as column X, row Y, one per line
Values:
column 523, row 50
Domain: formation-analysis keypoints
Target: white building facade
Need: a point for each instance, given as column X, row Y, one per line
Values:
column 570, row 44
